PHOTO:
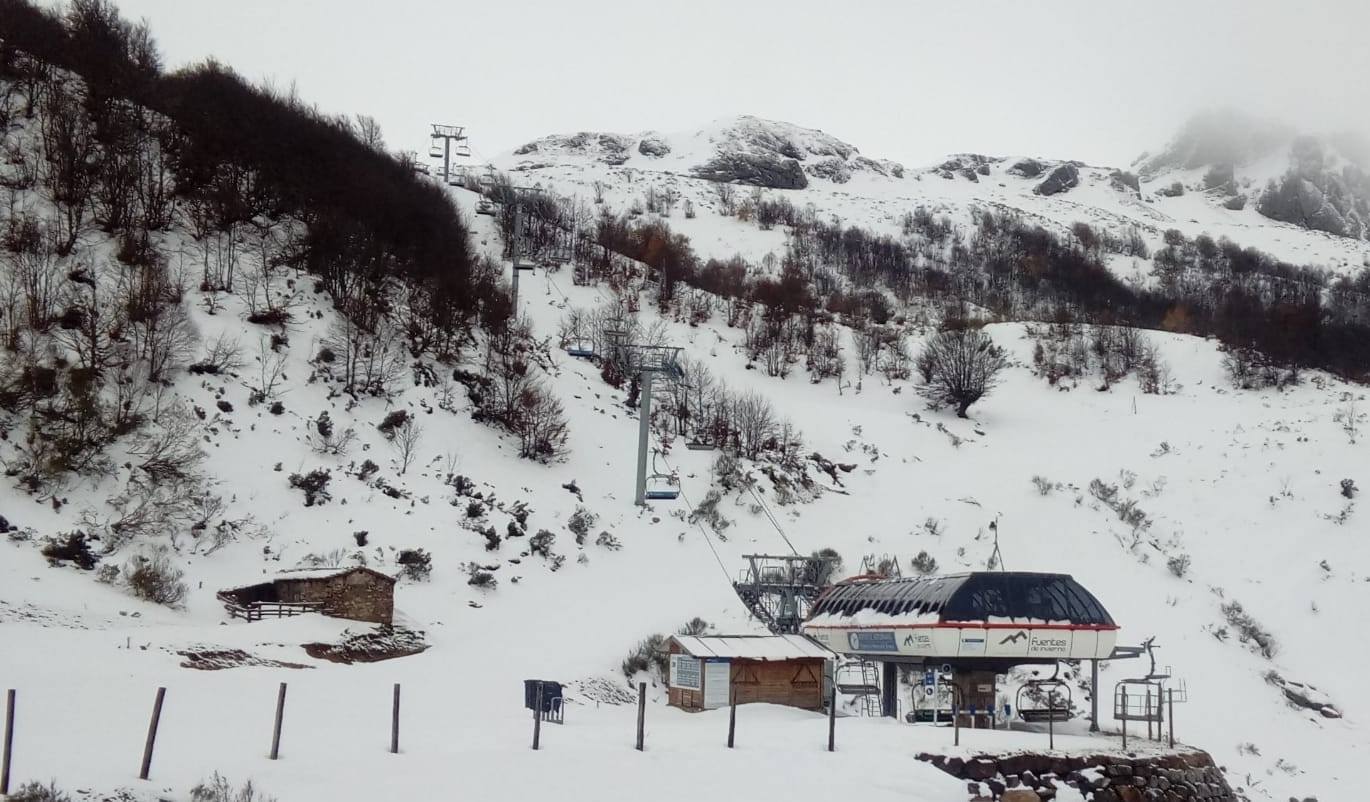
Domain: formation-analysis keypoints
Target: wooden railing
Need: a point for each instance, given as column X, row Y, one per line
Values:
column 256, row 611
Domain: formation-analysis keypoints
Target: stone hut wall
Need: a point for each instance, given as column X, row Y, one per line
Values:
column 359, row 595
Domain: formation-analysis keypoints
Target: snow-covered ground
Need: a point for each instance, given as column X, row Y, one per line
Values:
column 1245, row 483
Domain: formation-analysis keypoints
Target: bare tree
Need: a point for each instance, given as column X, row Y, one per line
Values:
column 368, row 130
column 406, row 442
column 960, row 367
column 270, row 372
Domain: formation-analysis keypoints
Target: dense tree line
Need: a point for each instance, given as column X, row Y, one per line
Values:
column 240, row 154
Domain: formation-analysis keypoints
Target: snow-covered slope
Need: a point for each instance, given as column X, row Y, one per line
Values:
column 1246, row 485
column 810, row 167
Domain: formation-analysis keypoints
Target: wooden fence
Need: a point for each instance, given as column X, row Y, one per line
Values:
column 256, row 611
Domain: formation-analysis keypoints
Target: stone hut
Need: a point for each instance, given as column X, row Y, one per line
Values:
column 362, row 594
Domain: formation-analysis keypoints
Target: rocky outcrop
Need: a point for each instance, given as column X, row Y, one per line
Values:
column 832, row 168
column 1027, row 168
column 1063, row 178
column 653, row 145
column 754, row 169
column 1172, row 777
column 1124, row 181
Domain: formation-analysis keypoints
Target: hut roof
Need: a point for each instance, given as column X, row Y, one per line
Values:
column 329, row 573
column 990, row 596
column 751, row 647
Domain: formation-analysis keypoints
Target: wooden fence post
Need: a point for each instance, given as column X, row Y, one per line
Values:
column 732, row 719
column 152, row 734
column 1171, row 699
column 641, row 714
column 1148, row 714
column 537, row 718
column 832, row 720
column 9, row 743
column 1124, row 718
column 280, row 716
column 395, row 723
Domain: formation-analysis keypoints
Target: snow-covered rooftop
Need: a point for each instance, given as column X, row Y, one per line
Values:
column 752, row 647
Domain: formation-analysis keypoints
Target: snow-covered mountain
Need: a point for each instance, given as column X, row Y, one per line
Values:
column 1223, row 522
column 811, row 167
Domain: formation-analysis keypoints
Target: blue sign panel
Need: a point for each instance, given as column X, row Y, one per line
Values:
column 872, row 642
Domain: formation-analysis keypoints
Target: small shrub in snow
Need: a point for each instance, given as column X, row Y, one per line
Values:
column 608, row 541
column 1248, row 630
column 37, row 792
column 393, row 421
column 1043, row 485
column 481, row 578
column 492, row 538
column 219, row 789
column 276, row 408
column 649, row 653
column 314, row 485
column 475, row 509
column 1348, row 488
column 367, row 470
column 541, row 543
column 154, row 578
column 72, row 547
column 360, row 536
column 580, row 523
column 695, row 626
column 415, row 564
column 823, row 566
column 707, row 512
column 1178, row 565
column 925, row 563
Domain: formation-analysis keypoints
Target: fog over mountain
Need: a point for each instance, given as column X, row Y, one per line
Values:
column 910, row 81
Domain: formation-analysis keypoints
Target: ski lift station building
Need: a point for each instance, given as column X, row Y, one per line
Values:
column 706, row 671
column 971, row 625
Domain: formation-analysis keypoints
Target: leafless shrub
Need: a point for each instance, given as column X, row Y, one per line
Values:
column 218, row 789
column 154, row 578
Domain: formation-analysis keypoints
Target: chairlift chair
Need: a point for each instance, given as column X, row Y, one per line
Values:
column 699, row 444
column 435, row 152
column 661, row 486
column 1047, row 700
column 484, row 206
column 581, row 349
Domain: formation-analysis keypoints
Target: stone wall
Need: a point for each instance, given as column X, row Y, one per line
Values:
column 1185, row 776
column 359, row 594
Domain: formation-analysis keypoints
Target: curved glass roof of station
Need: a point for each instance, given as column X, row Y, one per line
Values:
column 1010, row 596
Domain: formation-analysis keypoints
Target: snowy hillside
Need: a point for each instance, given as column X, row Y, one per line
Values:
column 222, row 398
column 818, row 169
column 1242, row 483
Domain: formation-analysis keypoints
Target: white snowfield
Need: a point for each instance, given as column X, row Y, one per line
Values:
column 1244, row 483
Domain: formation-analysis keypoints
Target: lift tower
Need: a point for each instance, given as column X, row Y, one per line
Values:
column 646, row 362
column 454, row 143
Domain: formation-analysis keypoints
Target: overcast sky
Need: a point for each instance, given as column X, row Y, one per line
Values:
column 1095, row 80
